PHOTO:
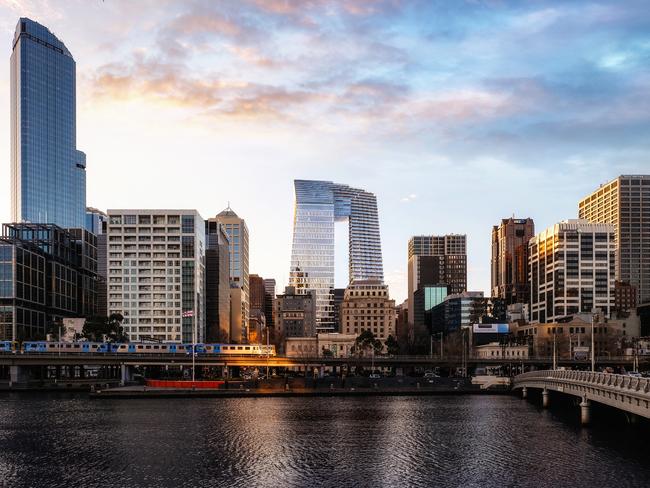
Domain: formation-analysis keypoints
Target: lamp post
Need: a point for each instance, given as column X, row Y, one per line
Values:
column 594, row 311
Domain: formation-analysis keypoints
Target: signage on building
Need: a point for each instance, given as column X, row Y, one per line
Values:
column 491, row 328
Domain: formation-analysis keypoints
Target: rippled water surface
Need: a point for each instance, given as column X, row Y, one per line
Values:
column 289, row 442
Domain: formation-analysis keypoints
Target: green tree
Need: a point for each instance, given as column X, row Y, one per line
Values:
column 392, row 346
column 367, row 341
column 97, row 328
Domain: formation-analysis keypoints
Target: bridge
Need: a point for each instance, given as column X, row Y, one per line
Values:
column 19, row 367
column 626, row 393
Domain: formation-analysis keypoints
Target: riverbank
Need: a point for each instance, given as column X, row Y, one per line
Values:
column 130, row 392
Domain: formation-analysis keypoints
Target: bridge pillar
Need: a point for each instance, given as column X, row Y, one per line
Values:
column 17, row 374
column 125, row 374
column 585, row 411
column 524, row 392
column 546, row 398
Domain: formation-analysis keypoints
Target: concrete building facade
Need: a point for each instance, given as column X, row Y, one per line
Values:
column 571, row 270
column 625, row 203
column 156, row 273
column 367, row 306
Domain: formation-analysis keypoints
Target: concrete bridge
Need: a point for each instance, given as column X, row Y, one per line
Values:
column 626, row 393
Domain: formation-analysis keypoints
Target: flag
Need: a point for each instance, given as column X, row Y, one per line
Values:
column 188, row 313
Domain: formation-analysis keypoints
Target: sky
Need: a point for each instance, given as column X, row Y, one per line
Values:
column 456, row 114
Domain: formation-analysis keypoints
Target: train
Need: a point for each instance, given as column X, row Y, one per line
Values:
column 88, row 347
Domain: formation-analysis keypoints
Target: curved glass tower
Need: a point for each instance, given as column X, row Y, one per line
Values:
column 48, row 174
column 318, row 205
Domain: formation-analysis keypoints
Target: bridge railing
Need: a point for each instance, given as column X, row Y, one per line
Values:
column 606, row 380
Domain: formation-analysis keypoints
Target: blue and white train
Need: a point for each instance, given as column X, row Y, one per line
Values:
column 87, row 347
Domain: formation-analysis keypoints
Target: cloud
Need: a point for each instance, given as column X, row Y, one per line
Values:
column 409, row 198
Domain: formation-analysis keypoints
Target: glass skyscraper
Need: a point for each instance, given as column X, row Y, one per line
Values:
column 319, row 204
column 48, row 174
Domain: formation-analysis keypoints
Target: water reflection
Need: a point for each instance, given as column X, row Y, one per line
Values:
column 439, row 441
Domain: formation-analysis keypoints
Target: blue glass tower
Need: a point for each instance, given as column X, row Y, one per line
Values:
column 48, row 174
column 319, row 204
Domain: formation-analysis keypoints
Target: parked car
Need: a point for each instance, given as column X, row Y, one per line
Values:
column 634, row 374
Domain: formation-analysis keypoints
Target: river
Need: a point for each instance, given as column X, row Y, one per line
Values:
column 445, row 441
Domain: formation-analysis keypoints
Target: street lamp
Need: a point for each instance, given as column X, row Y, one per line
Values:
column 594, row 312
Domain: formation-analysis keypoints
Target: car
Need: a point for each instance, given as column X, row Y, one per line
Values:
column 634, row 374
column 375, row 376
column 431, row 374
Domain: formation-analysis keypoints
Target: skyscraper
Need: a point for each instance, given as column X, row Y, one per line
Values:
column 510, row 259
column 436, row 260
column 217, row 282
column 238, row 235
column 571, row 270
column 625, row 203
column 48, row 174
column 319, row 204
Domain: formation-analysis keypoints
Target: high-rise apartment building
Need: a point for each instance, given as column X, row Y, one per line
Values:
column 156, row 273
column 510, row 259
column 217, row 282
column 46, row 274
column 571, row 270
column 436, row 260
column 367, row 306
column 48, row 173
column 625, row 203
column 238, row 235
column 318, row 205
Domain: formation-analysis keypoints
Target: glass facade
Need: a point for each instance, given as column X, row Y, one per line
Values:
column 319, row 204
column 48, row 174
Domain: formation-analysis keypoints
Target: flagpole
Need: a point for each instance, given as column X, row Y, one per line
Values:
column 193, row 346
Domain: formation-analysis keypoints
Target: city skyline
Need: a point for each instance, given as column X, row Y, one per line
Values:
column 471, row 129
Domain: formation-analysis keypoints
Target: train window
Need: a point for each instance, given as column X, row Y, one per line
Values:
column 155, row 347
column 147, row 347
column 50, row 345
column 239, row 348
column 68, row 346
column 77, row 346
column 247, row 348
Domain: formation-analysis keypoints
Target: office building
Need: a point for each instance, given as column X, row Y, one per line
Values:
column 625, row 203
column 436, row 261
column 510, row 259
column 96, row 222
column 426, row 297
column 217, row 282
column 295, row 314
column 571, row 270
column 459, row 310
column 156, row 273
column 269, row 302
column 48, row 173
column 257, row 293
column 46, row 274
column 367, row 306
column 624, row 298
column 238, row 236
column 318, row 205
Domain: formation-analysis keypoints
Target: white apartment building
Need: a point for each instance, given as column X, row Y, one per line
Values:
column 571, row 270
column 156, row 273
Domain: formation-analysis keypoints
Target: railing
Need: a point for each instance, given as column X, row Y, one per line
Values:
column 588, row 378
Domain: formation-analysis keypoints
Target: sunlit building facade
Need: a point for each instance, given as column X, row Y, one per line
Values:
column 625, row 203
column 319, row 204
column 572, row 270
column 156, row 273
column 48, row 173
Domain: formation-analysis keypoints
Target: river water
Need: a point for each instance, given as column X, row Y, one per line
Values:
column 455, row 441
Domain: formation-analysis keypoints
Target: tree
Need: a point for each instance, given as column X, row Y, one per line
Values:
column 97, row 328
column 392, row 346
column 366, row 341
column 326, row 353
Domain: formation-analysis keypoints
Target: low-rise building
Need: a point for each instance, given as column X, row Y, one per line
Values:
column 367, row 306
column 301, row 347
column 296, row 313
column 494, row 350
